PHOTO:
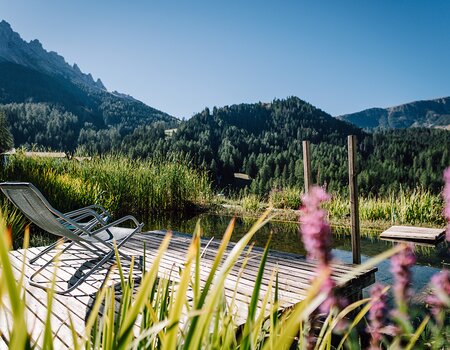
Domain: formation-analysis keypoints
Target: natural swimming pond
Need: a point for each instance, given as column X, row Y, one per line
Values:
column 285, row 237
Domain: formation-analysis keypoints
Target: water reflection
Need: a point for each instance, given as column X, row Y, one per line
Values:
column 285, row 237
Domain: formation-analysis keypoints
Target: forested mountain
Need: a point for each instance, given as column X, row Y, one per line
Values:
column 264, row 141
column 40, row 94
column 6, row 139
column 430, row 114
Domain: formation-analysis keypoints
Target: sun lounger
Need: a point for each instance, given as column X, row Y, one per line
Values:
column 87, row 228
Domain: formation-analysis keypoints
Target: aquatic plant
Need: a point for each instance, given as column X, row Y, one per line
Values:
column 285, row 198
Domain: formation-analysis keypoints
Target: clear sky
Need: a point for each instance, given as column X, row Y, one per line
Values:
column 181, row 56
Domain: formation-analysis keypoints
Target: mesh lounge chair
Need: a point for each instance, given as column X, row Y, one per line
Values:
column 87, row 228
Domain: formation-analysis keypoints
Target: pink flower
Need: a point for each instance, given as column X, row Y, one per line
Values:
column 332, row 300
column 446, row 196
column 439, row 299
column 316, row 235
column 314, row 227
column 401, row 264
column 376, row 315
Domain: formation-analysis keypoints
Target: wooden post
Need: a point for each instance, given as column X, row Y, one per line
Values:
column 354, row 207
column 306, row 166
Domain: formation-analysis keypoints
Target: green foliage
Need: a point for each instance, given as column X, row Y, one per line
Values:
column 13, row 219
column 418, row 206
column 405, row 207
column 262, row 140
column 118, row 183
column 6, row 139
column 251, row 203
column 286, row 198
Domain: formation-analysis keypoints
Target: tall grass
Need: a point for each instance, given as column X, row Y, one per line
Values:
column 118, row 183
column 416, row 207
column 188, row 310
column 286, row 198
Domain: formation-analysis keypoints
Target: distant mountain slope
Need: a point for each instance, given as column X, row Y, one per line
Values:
column 34, row 82
column 430, row 114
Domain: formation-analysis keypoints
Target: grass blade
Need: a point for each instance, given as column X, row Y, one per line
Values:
column 417, row 333
column 177, row 309
column 245, row 344
column 142, row 294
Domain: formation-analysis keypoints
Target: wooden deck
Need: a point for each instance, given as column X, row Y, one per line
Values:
column 295, row 274
column 416, row 234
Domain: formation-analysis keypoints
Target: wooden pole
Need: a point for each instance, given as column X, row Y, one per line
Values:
column 307, row 166
column 354, row 207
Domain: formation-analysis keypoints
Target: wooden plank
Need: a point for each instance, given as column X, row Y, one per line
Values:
column 416, row 243
column 36, row 303
column 420, row 234
column 295, row 274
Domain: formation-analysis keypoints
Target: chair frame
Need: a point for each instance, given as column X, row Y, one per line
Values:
column 78, row 232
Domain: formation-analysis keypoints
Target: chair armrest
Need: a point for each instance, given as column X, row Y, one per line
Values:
column 125, row 218
column 83, row 214
column 92, row 207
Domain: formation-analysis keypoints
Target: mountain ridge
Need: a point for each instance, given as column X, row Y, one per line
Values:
column 433, row 113
column 33, row 55
column 31, row 75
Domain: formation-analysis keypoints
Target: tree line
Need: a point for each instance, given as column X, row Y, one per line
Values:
column 262, row 140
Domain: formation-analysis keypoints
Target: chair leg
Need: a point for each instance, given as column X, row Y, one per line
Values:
column 104, row 257
column 52, row 260
column 87, row 274
column 46, row 250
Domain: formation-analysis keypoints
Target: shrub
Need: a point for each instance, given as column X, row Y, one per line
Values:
column 286, row 198
column 251, row 203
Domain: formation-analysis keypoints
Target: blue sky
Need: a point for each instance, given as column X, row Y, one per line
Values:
column 181, row 56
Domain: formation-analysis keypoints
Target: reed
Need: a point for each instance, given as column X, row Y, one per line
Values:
column 416, row 207
column 14, row 220
column 286, row 198
column 120, row 184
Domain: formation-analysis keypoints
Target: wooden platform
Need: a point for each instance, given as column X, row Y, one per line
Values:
column 295, row 274
column 411, row 233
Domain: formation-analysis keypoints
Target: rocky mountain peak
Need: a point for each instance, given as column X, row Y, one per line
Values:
column 33, row 55
column 5, row 28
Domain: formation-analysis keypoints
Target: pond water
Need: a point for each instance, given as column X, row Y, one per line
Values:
column 285, row 237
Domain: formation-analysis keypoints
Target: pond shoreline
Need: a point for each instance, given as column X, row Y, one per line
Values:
column 368, row 227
